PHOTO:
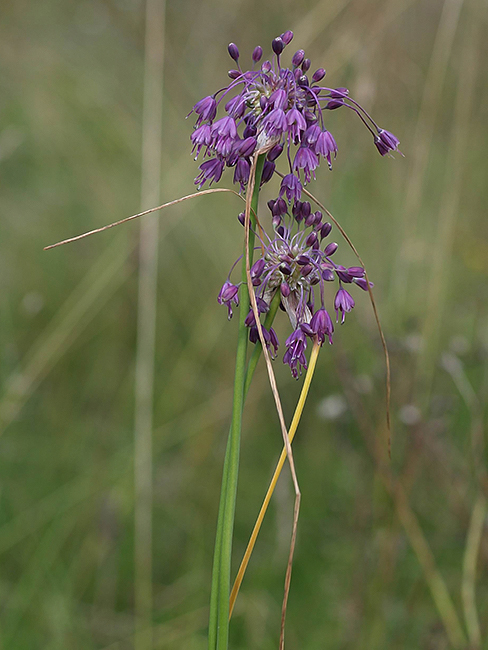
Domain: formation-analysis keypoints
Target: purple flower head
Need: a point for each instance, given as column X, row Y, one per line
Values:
column 283, row 109
column 229, row 294
column 241, row 172
column 211, row 170
column 343, row 303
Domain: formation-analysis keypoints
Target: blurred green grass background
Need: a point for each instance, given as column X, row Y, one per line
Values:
column 70, row 143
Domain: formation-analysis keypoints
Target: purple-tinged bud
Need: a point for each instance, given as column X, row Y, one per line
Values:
column 250, row 131
column 257, row 268
column 333, row 104
column 270, row 204
column 266, row 67
column 273, row 340
column 234, row 74
column 297, row 74
column 318, row 218
column 339, row 93
column 254, row 334
column 343, row 303
column 287, row 37
column 330, row 249
column 275, row 152
column 278, row 46
column 345, row 277
column 268, row 171
column 263, row 102
column 314, row 280
column 303, row 260
column 303, row 80
column 298, row 58
column 282, row 206
column 328, row 275
column 241, row 218
column 276, row 221
column 325, row 230
column 310, row 220
column 316, row 245
column 281, row 231
column 311, row 239
column 297, row 210
column 257, row 53
column 318, row 75
column 306, row 63
column 356, row 271
column 241, row 172
column 306, row 209
column 306, row 329
column 285, row 268
column 285, row 289
column 322, row 325
column 361, row 282
column 247, row 146
column 305, row 270
column 233, row 51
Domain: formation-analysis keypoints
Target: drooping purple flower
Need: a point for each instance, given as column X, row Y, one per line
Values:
column 386, row 142
column 307, row 160
column 201, row 137
column 325, row 146
column 343, row 302
column 206, row 109
column 291, row 186
column 321, row 325
column 241, row 172
column 296, row 124
column 211, row 170
column 229, row 294
column 296, row 344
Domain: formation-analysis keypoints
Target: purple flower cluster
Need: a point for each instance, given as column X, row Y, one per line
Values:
column 297, row 262
column 273, row 109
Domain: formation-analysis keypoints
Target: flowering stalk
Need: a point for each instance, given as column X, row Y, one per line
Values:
column 219, row 600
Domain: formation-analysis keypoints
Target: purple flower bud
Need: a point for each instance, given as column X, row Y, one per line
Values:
column 303, row 260
column 278, row 46
column 344, row 303
column 311, row 239
column 234, row 74
column 270, row 204
column 249, row 132
column 247, row 146
column 297, row 210
column 306, row 63
column 310, row 220
column 276, row 221
column 241, row 217
column 303, row 80
column 258, row 267
column 328, row 275
column 318, row 75
column 305, row 270
column 285, row 289
column 318, row 218
column 330, row 249
column 333, row 104
column 285, row 268
column 296, row 344
column 306, row 209
column 281, row 231
column 298, row 58
column 287, row 37
column 361, row 282
column 263, row 102
column 325, row 230
column 268, row 171
column 241, row 172
column 233, row 51
column 356, row 271
column 274, row 342
column 266, row 67
column 345, row 277
column 275, row 152
column 339, row 93
column 257, row 53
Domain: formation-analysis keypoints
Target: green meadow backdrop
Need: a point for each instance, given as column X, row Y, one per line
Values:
column 391, row 558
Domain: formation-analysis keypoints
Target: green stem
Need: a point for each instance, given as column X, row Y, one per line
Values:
column 218, row 635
